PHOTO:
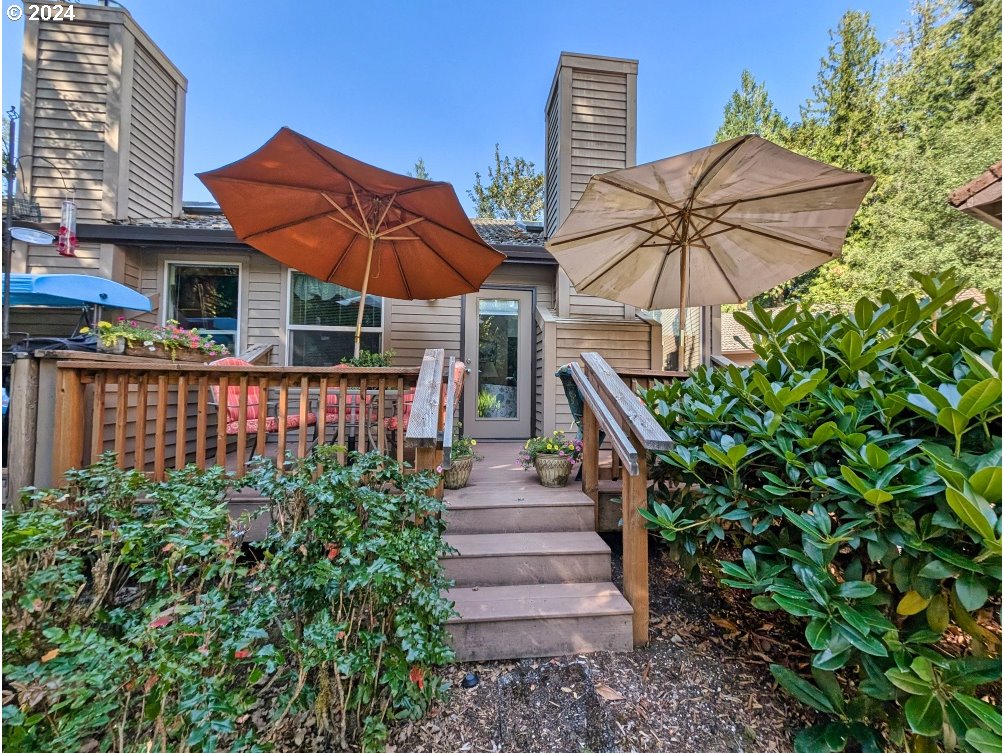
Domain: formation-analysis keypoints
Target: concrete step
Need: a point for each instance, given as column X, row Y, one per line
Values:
column 515, row 510
column 509, row 559
column 552, row 619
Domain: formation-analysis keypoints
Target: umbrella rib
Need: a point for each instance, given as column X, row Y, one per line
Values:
column 448, row 229
column 612, row 181
column 765, row 234
column 618, row 259
column 716, row 165
column 404, row 277
column 613, row 229
column 399, row 227
column 779, row 194
column 284, row 226
column 721, row 269
column 345, row 214
column 343, row 257
column 662, row 271
column 440, row 256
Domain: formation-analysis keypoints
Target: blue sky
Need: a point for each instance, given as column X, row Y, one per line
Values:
column 391, row 81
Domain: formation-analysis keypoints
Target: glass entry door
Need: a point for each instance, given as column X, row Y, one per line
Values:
column 498, row 346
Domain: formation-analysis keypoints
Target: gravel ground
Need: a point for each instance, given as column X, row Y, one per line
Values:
column 701, row 686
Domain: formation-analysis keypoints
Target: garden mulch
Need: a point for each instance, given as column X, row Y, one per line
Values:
column 702, row 685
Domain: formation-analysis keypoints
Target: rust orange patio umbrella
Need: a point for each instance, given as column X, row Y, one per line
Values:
column 344, row 221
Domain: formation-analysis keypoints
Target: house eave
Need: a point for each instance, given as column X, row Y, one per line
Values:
column 148, row 236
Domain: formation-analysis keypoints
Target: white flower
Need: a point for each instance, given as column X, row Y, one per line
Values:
column 148, row 342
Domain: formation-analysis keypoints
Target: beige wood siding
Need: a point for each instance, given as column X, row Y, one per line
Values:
column 102, row 114
column 152, row 140
column 589, row 128
column 412, row 326
column 623, row 344
column 63, row 111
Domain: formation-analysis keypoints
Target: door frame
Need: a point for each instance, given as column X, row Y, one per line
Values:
column 530, row 334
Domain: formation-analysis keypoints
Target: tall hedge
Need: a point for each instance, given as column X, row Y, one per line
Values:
column 851, row 478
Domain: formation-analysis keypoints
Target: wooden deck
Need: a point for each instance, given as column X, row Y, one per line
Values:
column 532, row 576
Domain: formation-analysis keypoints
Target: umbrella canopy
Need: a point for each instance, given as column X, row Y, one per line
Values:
column 341, row 220
column 73, row 291
column 716, row 225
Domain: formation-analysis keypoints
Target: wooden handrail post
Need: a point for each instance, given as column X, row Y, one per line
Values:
column 634, row 497
column 426, row 421
column 591, row 457
column 68, row 439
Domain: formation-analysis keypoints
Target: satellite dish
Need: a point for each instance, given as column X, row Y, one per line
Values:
column 34, row 237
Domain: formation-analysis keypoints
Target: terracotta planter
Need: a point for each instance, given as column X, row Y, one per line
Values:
column 552, row 470
column 458, row 474
column 181, row 355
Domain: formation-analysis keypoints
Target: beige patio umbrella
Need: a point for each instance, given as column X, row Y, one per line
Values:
column 717, row 225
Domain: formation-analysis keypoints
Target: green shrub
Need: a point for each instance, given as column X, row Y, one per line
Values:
column 133, row 622
column 370, row 360
column 857, row 468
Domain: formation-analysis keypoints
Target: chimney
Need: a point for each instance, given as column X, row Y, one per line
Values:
column 102, row 113
column 591, row 127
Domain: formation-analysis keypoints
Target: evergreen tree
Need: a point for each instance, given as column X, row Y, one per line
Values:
column 750, row 110
column 515, row 190
column 838, row 123
column 419, row 170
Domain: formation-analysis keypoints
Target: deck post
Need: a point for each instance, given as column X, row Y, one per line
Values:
column 591, row 457
column 68, row 439
column 635, row 536
column 22, row 427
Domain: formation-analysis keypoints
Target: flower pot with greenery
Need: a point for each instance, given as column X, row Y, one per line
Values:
column 462, row 458
column 129, row 337
column 552, row 457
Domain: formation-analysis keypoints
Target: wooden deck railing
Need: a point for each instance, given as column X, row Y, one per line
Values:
column 609, row 404
column 157, row 416
column 643, row 379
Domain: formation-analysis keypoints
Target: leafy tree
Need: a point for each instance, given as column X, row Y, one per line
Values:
column 515, row 190
column 419, row 170
column 839, row 120
column 751, row 110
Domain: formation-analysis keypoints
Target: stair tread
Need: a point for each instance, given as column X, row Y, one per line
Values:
column 537, row 601
column 514, row 496
column 507, row 544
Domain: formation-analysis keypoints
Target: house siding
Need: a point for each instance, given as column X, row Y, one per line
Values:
column 63, row 115
column 589, row 128
column 152, row 140
column 101, row 115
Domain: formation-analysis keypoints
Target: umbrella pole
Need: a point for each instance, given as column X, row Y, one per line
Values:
column 362, row 296
column 684, row 269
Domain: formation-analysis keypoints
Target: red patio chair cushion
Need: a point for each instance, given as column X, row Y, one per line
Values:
column 271, row 424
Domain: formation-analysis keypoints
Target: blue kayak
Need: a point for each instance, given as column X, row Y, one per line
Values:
column 73, row 291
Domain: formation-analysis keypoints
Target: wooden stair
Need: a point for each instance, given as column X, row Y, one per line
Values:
column 532, row 576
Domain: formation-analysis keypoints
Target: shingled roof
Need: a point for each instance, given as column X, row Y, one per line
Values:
column 517, row 240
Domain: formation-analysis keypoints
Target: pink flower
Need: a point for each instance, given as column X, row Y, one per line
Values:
column 439, row 469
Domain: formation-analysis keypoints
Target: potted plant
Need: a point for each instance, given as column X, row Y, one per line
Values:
column 552, row 457
column 371, row 360
column 129, row 337
column 462, row 457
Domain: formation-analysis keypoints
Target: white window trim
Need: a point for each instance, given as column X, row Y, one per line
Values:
column 198, row 262
column 323, row 327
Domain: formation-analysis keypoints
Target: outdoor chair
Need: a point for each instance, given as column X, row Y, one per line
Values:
column 254, row 408
column 353, row 415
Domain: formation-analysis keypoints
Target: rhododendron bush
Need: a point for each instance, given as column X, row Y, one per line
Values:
column 135, row 620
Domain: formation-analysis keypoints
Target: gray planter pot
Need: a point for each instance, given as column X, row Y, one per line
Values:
column 458, row 474
column 552, row 470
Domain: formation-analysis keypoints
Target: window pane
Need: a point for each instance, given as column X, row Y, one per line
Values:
column 205, row 297
column 325, row 304
column 498, row 353
column 327, row 347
